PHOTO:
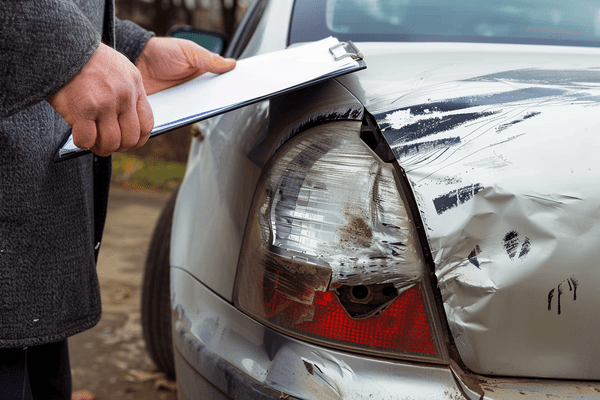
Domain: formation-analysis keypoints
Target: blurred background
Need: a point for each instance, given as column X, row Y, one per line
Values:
column 160, row 164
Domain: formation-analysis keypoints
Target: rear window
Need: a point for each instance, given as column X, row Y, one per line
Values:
column 558, row 22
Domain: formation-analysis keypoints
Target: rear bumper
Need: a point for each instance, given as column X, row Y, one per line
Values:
column 222, row 352
column 220, row 381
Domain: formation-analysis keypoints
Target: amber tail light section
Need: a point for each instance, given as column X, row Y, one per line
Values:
column 331, row 255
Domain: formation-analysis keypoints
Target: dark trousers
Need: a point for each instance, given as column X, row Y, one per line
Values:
column 37, row 372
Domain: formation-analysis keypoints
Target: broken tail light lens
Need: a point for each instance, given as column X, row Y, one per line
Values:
column 331, row 255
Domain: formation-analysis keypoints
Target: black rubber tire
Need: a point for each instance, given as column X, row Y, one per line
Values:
column 156, row 295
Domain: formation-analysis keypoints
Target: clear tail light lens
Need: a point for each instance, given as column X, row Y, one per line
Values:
column 331, row 255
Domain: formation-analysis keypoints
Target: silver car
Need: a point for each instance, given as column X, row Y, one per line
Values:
column 427, row 228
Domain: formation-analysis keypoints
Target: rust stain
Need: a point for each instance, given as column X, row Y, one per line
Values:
column 356, row 232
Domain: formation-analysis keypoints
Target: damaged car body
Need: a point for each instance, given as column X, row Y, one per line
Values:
column 421, row 229
column 508, row 212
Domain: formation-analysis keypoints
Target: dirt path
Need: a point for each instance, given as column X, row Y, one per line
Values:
column 110, row 360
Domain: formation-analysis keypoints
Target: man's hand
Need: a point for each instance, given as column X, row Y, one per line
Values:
column 166, row 62
column 106, row 101
column 106, row 105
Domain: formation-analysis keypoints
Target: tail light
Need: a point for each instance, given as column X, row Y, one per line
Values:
column 331, row 255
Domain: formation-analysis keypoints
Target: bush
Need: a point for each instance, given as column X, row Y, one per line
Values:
column 151, row 173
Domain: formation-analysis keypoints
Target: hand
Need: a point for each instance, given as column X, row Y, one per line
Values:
column 166, row 62
column 106, row 105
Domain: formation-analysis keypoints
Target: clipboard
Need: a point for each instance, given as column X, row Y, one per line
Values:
column 254, row 79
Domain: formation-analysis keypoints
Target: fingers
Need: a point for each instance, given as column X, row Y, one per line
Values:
column 109, row 137
column 106, row 104
column 84, row 133
column 129, row 127
column 146, row 120
column 166, row 62
column 115, row 131
column 130, row 130
column 206, row 61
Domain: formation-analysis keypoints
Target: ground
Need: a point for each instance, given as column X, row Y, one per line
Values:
column 110, row 361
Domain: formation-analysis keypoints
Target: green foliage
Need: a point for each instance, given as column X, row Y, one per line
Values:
column 151, row 173
column 159, row 165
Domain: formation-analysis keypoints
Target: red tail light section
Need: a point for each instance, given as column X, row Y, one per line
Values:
column 402, row 326
column 331, row 255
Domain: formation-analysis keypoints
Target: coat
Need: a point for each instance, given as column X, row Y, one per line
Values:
column 51, row 214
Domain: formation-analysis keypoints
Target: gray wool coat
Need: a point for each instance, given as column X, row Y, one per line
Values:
column 51, row 215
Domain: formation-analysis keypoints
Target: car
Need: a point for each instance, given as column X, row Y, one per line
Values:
column 426, row 228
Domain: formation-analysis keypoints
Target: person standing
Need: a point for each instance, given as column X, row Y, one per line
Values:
column 66, row 63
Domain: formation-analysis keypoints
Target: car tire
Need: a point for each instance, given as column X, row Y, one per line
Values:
column 156, row 294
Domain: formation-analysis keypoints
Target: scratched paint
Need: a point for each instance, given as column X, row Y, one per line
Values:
column 573, row 284
column 515, row 188
column 399, row 131
column 543, row 76
column 525, row 248
column 456, row 197
column 440, row 108
column 513, row 245
column 503, row 127
column 473, row 256
column 424, row 147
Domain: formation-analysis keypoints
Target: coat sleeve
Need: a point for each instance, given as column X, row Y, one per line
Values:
column 130, row 38
column 43, row 44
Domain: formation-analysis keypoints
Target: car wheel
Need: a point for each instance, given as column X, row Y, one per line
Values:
column 156, row 296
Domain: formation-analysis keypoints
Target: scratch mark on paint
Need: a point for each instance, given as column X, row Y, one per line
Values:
column 401, row 129
column 309, row 367
column 473, row 256
column 416, row 148
column 558, row 297
column 509, row 124
column 451, row 180
column 511, row 242
column 456, row 197
column 542, row 76
column 525, row 248
column 460, row 103
column 573, row 284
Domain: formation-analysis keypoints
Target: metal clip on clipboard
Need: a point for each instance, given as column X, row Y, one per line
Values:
column 345, row 49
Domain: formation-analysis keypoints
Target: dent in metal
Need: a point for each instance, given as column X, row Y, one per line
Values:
column 456, row 197
column 210, row 331
column 478, row 387
column 504, row 168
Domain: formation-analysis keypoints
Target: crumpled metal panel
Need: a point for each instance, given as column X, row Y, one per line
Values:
column 505, row 170
column 210, row 332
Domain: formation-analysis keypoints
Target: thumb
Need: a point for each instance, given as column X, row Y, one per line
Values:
column 217, row 64
column 204, row 60
column 211, row 62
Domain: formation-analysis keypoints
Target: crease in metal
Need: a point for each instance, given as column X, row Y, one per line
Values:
column 504, row 170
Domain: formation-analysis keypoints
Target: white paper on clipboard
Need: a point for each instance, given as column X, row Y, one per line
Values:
column 253, row 79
